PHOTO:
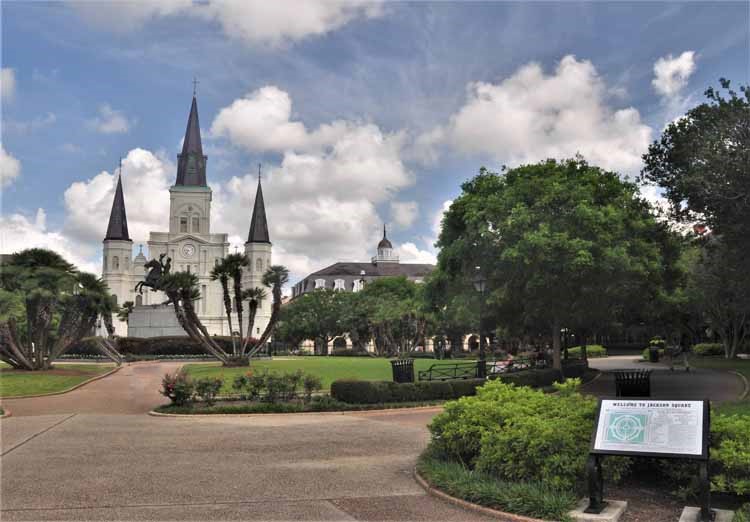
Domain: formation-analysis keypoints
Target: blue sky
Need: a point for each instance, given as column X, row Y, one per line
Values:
column 360, row 113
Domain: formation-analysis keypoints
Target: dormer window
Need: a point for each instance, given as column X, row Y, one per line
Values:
column 320, row 283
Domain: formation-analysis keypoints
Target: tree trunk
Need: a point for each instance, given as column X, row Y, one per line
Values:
column 238, row 307
column 252, row 311
column 556, row 360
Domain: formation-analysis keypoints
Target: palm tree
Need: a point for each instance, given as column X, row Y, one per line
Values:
column 275, row 277
column 235, row 263
column 182, row 289
column 124, row 312
column 223, row 271
column 253, row 296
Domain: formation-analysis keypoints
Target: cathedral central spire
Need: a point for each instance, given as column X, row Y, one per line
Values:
column 191, row 163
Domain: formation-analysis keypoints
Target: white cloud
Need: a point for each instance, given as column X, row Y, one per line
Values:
column 110, row 121
column 17, row 232
column 532, row 116
column 411, row 253
column 250, row 21
column 404, row 213
column 146, row 180
column 671, row 74
column 7, row 84
column 10, row 167
column 38, row 123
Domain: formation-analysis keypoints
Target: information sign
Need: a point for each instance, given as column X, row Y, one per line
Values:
column 651, row 427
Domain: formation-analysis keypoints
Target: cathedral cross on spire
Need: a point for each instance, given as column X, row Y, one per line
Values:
column 195, row 85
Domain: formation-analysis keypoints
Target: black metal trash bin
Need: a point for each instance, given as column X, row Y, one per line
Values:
column 633, row 383
column 653, row 354
column 403, row 370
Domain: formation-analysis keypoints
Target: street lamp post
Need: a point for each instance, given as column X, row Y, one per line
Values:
column 480, row 284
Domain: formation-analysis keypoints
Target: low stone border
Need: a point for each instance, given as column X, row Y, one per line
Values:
column 155, row 413
column 744, row 394
column 502, row 515
column 79, row 385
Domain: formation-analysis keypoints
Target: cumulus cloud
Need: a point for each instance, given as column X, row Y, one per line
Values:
column 146, row 179
column 110, row 121
column 404, row 213
column 18, row 232
column 671, row 73
column 10, row 167
column 7, row 84
column 531, row 116
column 250, row 21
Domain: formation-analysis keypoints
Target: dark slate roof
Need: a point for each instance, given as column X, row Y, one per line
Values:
column 384, row 243
column 381, row 269
column 191, row 163
column 118, row 221
column 258, row 224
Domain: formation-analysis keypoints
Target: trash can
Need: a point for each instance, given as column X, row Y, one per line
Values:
column 403, row 370
column 653, row 354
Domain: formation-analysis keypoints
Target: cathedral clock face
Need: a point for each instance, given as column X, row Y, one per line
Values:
column 188, row 250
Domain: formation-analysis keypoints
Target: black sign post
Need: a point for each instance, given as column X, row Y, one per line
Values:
column 642, row 427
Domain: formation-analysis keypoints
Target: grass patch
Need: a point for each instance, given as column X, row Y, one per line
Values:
column 531, row 499
column 720, row 363
column 317, row 405
column 14, row 383
column 329, row 369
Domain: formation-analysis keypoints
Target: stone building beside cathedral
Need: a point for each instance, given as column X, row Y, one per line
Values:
column 189, row 244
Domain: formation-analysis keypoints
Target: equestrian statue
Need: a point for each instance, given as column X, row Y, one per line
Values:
column 158, row 270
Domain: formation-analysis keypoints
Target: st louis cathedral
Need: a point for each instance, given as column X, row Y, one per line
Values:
column 189, row 245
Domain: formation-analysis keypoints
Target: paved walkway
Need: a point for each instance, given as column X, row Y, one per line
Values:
column 64, row 458
column 699, row 383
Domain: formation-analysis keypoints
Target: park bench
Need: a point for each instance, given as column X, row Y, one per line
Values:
column 633, row 383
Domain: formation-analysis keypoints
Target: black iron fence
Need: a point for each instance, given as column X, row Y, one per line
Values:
column 472, row 370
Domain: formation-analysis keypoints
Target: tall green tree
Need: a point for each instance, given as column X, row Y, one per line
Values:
column 222, row 272
column 561, row 244
column 318, row 315
column 46, row 306
column 254, row 297
column 275, row 278
column 235, row 263
column 701, row 163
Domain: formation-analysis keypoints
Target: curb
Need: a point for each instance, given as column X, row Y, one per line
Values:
column 79, row 385
column 6, row 413
column 744, row 394
column 502, row 515
column 155, row 413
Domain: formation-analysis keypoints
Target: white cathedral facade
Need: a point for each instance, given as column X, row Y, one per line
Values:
column 188, row 245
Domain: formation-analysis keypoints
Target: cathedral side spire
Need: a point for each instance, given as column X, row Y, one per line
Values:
column 258, row 224
column 118, row 221
column 191, row 163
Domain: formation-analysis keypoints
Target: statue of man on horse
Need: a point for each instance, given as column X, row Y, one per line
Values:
column 158, row 269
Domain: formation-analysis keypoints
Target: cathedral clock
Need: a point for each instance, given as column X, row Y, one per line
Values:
column 188, row 250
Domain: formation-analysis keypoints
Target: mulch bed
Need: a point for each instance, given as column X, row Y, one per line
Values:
column 646, row 504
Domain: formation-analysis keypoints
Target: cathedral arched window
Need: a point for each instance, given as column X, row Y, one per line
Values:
column 105, row 262
column 259, row 264
column 115, row 263
column 139, row 300
column 183, row 224
column 196, row 224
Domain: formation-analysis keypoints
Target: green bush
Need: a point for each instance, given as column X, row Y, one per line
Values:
column 207, row 389
column 520, row 434
column 730, row 454
column 592, row 351
column 532, row 378
column 381, row 392
column 742, row 514
column 705, row 349
column 348, row 352
column 310, row 383
column 157, row 346
column 645, row 355
column 532, row 499
column 178, row 387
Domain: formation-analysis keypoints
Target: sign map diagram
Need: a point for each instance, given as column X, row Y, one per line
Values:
column 629, row 428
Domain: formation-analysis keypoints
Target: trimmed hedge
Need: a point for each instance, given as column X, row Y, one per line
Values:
column 705, row 349
column 592, row 351
column 151, row 346
column 378, row 392
column 348, row 352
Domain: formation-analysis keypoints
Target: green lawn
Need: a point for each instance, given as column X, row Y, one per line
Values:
column 328, row 369
column 63, row 376
column 719, row 363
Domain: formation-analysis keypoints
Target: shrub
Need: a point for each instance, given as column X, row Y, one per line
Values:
column 311, row 383
column 730, row 454
column 379, row 392
column 742, row 514
column 645, row 353
column 348, row 352
column 251, row 385
column 237, row 361
column 178, row 387
column 592, row 350
column 705, row 349
column 208, row 388
column 520, row 434
column 420, row 355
